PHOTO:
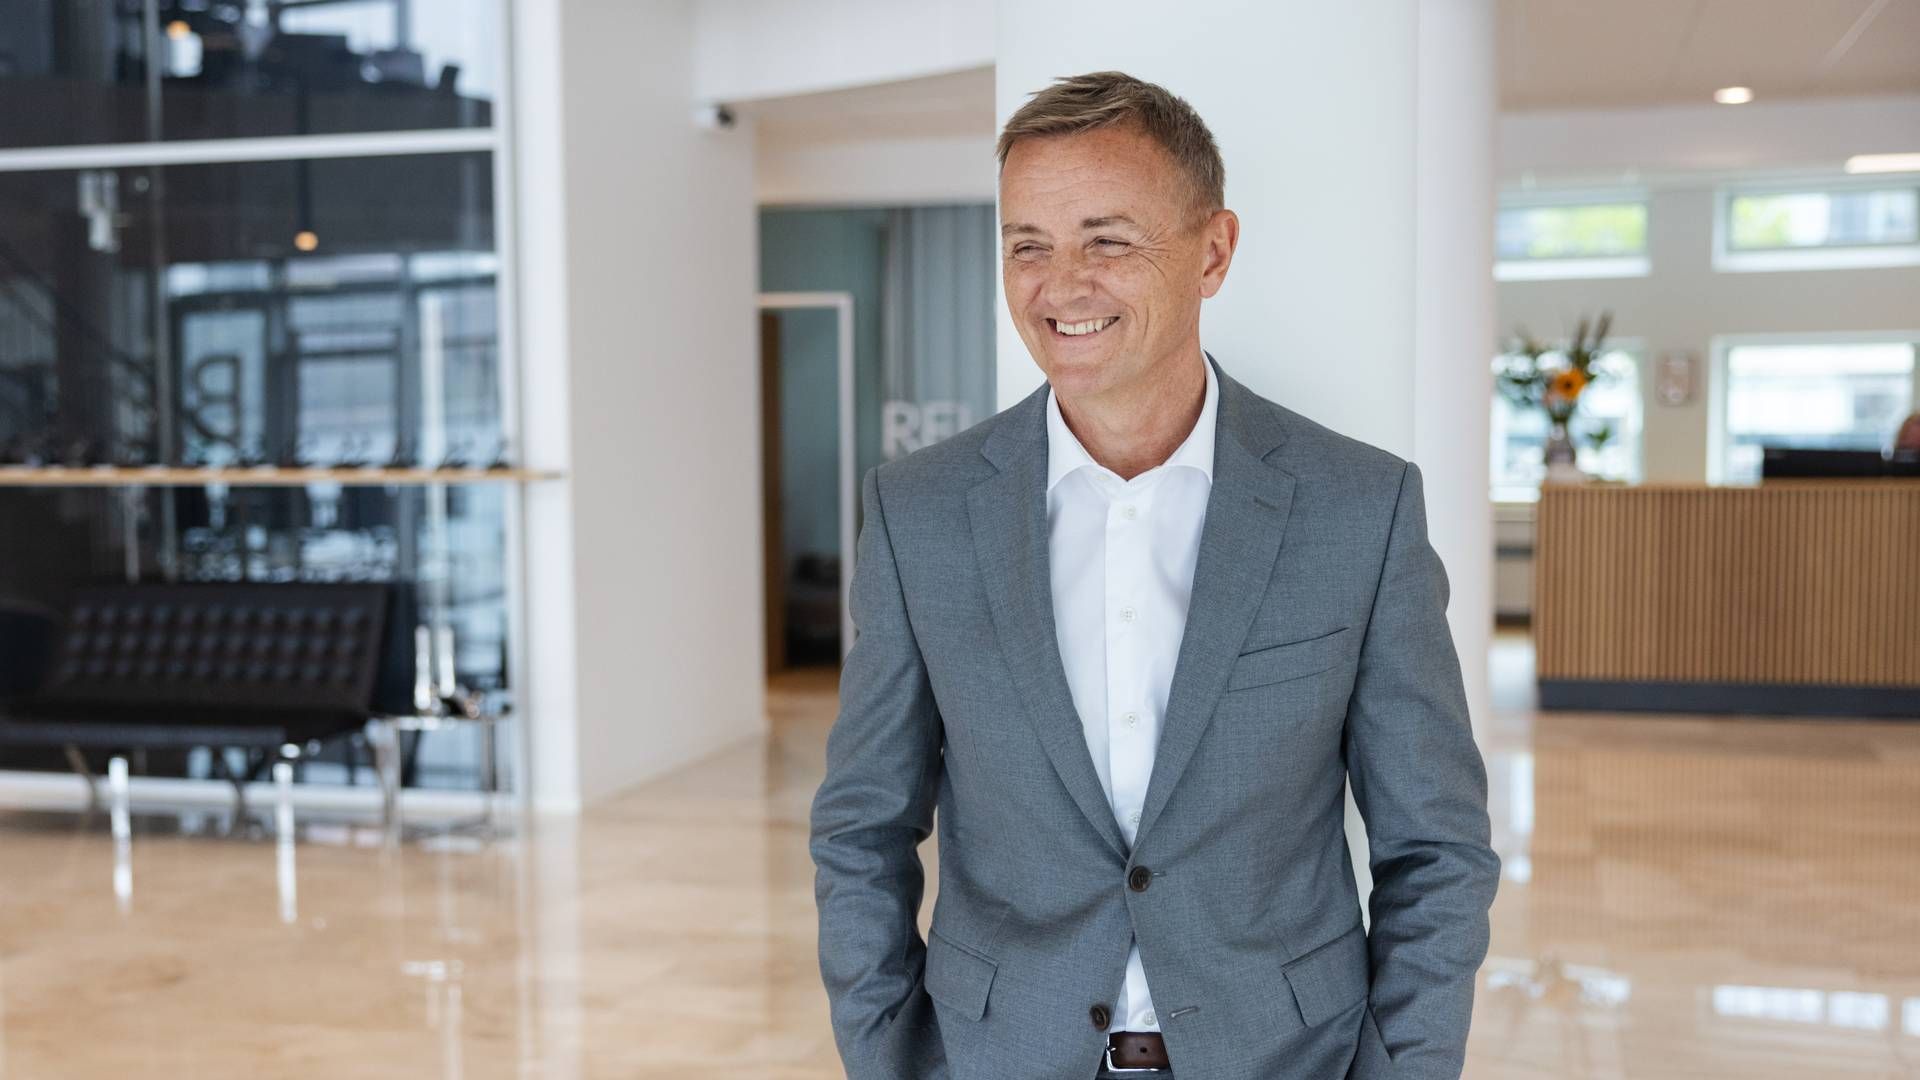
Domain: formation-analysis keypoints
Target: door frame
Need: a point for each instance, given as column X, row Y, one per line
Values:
column 842, row 304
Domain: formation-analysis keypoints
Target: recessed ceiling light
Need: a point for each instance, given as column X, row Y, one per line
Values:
column 1873, row 163
column 1733, row 95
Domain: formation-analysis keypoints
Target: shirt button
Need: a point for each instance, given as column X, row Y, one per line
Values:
column 1128, row 512
column 1130, row 717
column 1134, row 819
column 1126, row 614
column 1147, row 1019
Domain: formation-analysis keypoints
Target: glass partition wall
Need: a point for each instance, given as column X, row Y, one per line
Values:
column 235, row 233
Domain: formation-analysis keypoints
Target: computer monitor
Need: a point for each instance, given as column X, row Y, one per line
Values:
column 1779, row 462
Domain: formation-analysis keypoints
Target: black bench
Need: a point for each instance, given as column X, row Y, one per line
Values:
column 276, row 670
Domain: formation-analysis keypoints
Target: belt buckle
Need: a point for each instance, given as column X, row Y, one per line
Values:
column 1111, row 1067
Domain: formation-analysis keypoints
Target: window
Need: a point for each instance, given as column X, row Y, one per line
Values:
column 1571, row 237
column 1850, row 225
column 1834, row 395
column 191, row 275
column 1613, row 400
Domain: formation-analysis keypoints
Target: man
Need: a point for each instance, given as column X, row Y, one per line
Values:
column 1131, row 636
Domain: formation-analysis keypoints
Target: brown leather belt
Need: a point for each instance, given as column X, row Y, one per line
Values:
column 1136, row 1050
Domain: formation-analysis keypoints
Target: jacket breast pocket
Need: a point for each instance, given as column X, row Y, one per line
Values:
column 958, row 977
column 1288, row 660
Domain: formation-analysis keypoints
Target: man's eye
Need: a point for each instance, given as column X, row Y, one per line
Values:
column 1115, row 243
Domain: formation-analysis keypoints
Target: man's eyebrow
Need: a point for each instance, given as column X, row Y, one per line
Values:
column 1085, row 223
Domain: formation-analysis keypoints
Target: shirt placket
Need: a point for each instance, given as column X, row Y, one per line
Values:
column 1131, row 725
column 1129, row 634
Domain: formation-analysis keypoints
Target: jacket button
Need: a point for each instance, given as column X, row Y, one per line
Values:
column 1139, row 879
column 1100, row 1016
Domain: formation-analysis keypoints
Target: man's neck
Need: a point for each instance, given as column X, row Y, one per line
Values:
column 1134, row 428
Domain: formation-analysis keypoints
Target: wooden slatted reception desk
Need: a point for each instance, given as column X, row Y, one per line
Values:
column 1796, row 596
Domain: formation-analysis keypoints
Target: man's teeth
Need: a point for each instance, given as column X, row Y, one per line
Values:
column 1091, row 326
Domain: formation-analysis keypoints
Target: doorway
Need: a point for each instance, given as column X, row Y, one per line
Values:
column 808, row 497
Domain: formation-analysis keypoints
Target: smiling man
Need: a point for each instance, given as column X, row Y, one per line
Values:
column 1131, row 637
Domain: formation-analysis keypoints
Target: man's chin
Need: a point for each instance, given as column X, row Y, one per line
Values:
column 1074, row 368
column 1079, row 376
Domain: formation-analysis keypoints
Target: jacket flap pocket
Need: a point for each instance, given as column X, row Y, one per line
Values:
column 957, row 977
column 1331, row 978
column 1292, row 659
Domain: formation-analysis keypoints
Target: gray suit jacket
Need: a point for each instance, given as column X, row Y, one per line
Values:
column 1316, row 649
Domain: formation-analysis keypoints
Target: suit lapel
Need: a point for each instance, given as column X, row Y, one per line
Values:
column 1247, row 509
column 1008, row 515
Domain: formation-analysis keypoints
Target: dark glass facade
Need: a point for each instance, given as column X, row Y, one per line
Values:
column 338, row 308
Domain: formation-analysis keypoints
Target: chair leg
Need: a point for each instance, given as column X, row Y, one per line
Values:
column 225, row 772
column 285, row 875
column 384, row 738
column 78, row 762
column 283, row 792
column 122, row 820
column 117, row 787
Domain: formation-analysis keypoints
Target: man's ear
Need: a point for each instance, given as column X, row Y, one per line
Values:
column 1219, row 236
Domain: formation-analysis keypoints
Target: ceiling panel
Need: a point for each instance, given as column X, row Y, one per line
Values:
column 1623, row 53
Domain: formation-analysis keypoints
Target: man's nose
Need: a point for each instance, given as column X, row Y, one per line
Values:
column 1069, row 278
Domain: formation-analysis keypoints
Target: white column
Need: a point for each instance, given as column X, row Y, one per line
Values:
column 1358, row 147
column 640, row 379
column 1453, row 312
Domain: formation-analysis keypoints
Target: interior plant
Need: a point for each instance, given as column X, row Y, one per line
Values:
column 1535, row 375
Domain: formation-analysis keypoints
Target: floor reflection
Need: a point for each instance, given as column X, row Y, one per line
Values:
column 1682, row 898
column 1699, row 897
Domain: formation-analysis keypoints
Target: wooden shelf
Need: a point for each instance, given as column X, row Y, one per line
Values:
column 169, row 476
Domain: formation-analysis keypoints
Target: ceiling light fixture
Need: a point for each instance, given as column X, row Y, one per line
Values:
column 1733, row 95
column 1878, row 163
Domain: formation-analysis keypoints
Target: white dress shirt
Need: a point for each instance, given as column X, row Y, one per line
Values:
column 1121, row 554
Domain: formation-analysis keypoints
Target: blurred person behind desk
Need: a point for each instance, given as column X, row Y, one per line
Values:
column 1907, row 436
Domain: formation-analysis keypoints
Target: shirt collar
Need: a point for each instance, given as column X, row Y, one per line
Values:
column 1065, row 452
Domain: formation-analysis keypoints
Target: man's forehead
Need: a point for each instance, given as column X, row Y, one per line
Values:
column 1101, row 221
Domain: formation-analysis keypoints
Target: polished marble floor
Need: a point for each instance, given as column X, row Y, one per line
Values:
column 1684, row 898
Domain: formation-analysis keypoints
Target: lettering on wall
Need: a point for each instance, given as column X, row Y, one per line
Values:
column 906, row 426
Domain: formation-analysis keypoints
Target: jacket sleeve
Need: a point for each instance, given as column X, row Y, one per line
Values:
column 872, row 810
column 1421, row 786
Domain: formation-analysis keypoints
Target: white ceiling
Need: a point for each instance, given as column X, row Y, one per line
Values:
column 1557, row 54
column 1554, row 54
column 959, row 103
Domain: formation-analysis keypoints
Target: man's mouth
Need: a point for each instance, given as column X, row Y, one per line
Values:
column 1082, row 329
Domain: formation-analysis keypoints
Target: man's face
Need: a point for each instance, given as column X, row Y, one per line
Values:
column 1097, row 231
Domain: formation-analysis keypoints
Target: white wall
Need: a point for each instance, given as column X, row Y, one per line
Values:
column 640, row 379
column 747, row 49
column 877, row 171
column 1358, row 141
